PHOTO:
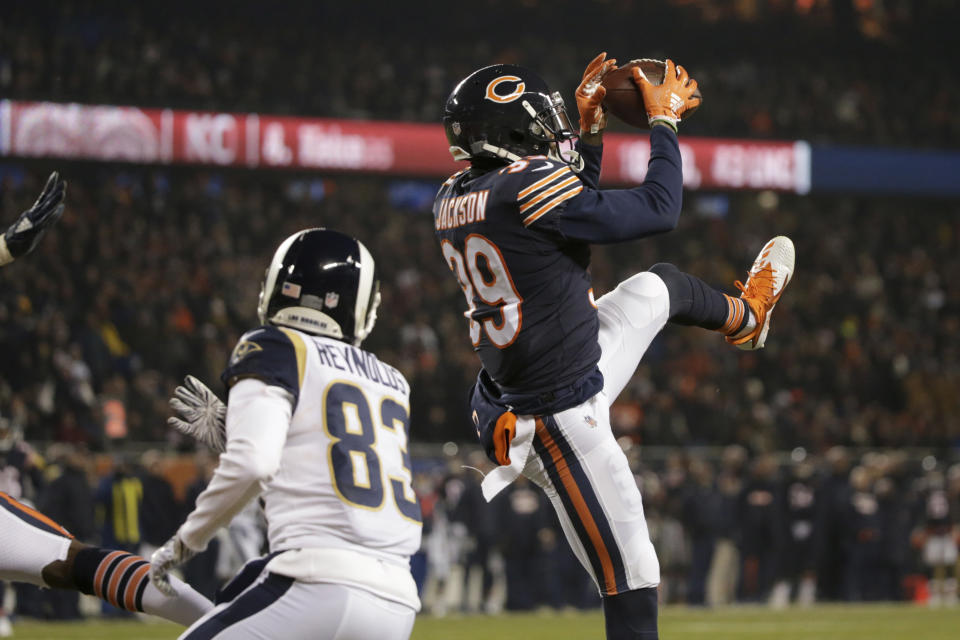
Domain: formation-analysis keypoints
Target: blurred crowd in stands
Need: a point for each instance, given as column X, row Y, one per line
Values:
column 154, row 274
column 823, row 70
column 728, row 527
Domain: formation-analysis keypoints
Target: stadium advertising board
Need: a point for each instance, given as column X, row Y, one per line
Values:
column 165, row 136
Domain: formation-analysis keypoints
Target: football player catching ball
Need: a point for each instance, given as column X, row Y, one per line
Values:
column 515, row 228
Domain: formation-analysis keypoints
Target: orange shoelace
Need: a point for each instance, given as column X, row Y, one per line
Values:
column 759, row 285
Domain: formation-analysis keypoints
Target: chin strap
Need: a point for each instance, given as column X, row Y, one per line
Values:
column 499, row 152
column 571, row 158
column 459, row 153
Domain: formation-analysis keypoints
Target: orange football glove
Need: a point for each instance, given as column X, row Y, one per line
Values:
column 590, row 94
column 668, row 101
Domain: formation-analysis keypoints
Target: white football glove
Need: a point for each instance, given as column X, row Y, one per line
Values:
column 172, row 554
column 199, row 413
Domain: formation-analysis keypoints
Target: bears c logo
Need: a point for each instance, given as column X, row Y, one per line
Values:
column 494, row 96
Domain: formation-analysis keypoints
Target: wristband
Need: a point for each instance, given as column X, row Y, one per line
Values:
column 664, row 120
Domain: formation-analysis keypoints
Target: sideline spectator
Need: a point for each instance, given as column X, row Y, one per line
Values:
column 160, row 512
column 68, row 500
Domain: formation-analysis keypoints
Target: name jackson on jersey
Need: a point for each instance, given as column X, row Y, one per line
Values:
column 460, row 210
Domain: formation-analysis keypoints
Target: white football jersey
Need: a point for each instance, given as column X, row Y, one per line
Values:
column 345, row 477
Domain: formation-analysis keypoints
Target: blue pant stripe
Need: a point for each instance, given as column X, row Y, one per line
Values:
column 253, row 601
column 570, row 509
column 593, row 504
column 29, row 519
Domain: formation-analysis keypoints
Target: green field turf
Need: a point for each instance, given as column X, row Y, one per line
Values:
column 880, row 622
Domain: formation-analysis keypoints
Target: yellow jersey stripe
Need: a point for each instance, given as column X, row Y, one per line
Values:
column 300, row 349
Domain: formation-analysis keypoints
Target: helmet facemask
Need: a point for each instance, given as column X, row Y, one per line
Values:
column 552, row 125
column 371, row 315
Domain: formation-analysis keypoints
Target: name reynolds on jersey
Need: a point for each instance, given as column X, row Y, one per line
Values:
column 345, row 357
column 460, row 210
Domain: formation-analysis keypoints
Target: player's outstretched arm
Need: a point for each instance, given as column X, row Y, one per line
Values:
column 24, row 234
column 604, row 216
column 200, row 414
column 257, row 422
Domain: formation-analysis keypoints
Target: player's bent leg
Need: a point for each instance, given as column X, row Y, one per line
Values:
column 123, row 580
column 304, row 611
column 37, row 550
column 695, row 303
column 634, row 313
column 29, row 541
column 630, row 317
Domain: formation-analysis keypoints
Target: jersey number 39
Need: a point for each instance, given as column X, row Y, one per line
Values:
column 494, row 289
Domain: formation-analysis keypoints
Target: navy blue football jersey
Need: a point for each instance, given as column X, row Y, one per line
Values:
column 517, row 240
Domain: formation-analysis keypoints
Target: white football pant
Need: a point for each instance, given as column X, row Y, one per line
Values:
column 576, row 460
column 277, row 607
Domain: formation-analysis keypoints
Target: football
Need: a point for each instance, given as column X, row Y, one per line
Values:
column 623, row 98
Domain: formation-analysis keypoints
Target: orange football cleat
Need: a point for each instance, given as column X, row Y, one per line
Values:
column 769, row 276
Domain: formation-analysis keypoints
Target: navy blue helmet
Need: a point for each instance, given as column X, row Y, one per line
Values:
column 321, row 282
column 506, row 111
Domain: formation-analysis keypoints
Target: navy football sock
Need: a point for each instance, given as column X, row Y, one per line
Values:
column 694, row 302
column 123, row 580
column 119, row 577
column 631, row 615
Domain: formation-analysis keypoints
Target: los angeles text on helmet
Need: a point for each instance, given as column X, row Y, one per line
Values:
column 461, row 210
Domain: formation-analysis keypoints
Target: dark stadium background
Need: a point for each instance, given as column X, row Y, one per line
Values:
column 153, row 272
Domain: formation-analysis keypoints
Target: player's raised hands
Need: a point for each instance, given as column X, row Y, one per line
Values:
column 591, row 92
column 667, row 102
column 24, row 234
column 199, row 413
